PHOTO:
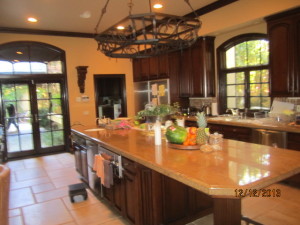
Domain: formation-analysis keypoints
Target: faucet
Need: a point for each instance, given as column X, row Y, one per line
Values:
column 234, row 111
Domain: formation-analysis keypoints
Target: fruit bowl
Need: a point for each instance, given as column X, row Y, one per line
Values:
column 184, row 147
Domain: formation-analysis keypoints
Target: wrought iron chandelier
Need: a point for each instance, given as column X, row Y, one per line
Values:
column 148, row 34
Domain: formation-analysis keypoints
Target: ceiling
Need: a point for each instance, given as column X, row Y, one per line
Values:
column 81, row 15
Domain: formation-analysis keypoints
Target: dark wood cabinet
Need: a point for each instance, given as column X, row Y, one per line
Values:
column 293, row 142
column 284, row 36
column 191, row 71
column 145, row 69
column 203, row 68
column 131, row 203
column 185, row 75
column 174, row 70
column 232, row 132
column 153, row 67
column 197, row 73
column 136, row 68
column 163, row 66
column 141, row 69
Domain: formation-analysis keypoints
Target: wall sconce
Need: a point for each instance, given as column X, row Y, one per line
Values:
column 81, row 72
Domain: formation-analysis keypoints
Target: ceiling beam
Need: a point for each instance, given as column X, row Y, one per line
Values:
column 211, row 7
column 45, row 32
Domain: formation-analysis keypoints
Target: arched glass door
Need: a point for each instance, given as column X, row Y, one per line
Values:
column 33, row 98
column 34, row 119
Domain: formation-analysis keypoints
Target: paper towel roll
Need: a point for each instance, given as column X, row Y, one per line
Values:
column 214, row 109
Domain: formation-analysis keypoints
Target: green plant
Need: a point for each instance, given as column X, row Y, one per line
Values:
column 158, row 110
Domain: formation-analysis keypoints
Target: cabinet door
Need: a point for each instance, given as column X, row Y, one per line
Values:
column 153, row 67
column 117, row 193
column 185, row 74
column 293, row 141
column 163, row 66
column 131, row 204
column 232, row 132
column 297, row 56
column 136, row 67
column 174, row 70
column 144, row 68
column 281, row 58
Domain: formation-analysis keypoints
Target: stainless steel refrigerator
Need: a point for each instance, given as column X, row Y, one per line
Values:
column 155, row 91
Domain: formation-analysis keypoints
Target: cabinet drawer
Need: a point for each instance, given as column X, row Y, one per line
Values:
column 129, row 165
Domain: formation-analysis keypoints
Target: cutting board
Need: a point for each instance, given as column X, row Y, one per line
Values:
column 279, row 107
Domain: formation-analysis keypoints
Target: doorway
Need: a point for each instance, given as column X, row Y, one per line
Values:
column 33, row 117
column 110, row 95
column 33, row 98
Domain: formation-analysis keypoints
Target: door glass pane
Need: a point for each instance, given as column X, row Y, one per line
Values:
column 50, row 114
column 58, row 138
column 26, row 142
column 46, row 139
column 18, row 118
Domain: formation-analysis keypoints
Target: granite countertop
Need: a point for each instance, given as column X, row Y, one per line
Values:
column 264, row 123
column 219, row 173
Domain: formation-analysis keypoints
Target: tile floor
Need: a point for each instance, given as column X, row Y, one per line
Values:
column 39, row 196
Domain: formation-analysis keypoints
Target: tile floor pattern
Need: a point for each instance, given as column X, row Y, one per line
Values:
column 39, row 196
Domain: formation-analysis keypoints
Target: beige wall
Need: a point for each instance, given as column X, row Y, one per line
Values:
column 242, row 13
column 82, row 52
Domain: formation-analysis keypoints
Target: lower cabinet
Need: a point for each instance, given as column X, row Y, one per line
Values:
column 229, row 132
column 293, row 142
column 146, row 197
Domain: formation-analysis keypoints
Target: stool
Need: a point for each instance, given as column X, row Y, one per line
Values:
column 77, row 189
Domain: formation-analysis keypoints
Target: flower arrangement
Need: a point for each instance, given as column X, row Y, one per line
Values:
column 161, row 110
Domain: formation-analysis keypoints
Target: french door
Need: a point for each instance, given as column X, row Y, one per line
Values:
column 33, row 117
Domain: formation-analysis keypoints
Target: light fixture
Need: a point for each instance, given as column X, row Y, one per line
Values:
column 157, row 5
column 148, row 34
column 32, row 19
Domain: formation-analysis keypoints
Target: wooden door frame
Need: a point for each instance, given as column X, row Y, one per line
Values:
column 124, row 98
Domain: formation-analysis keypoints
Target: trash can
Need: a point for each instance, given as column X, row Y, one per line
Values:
column 269, row 137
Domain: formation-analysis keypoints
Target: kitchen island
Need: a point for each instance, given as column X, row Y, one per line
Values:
column 225, row 176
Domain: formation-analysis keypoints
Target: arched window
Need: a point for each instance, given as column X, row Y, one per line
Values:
column 244, row 73
column 30, row 58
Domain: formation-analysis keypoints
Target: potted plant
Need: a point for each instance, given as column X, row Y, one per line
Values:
column 161, row 112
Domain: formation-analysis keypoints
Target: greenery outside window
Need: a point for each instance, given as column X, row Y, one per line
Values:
column 244, row 73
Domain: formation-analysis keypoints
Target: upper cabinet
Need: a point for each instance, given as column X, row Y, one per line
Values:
column 197, row 73
column 191, row 71
column 284, row 37
column 203, row 68
column 153, row 68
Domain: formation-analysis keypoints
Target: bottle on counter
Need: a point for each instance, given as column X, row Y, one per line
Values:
column 157, row 132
